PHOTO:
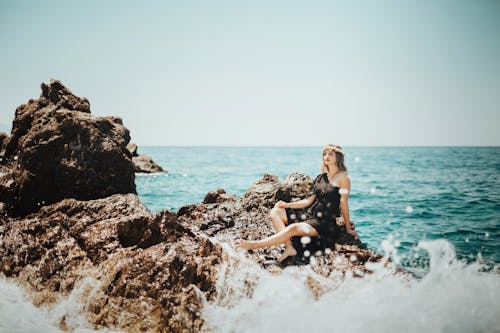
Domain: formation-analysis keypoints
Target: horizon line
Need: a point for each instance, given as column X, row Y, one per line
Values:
column 316, row 146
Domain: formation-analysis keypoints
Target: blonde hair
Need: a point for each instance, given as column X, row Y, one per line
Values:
column 339, row 154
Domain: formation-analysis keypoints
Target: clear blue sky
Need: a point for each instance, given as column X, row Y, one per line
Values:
column 265, row 72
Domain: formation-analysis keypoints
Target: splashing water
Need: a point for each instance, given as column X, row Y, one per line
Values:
column 451, row 297
column 19, row 315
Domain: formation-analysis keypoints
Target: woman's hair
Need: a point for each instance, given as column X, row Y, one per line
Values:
column 339, row 154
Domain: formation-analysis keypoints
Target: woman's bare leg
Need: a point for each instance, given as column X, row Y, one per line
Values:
column 296, row 229
column 279, row 220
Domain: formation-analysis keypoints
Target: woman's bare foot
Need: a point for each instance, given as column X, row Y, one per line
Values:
column 245, row 244
column 289, row 252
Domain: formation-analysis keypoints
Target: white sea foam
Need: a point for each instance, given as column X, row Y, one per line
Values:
column 451, row 297
column 19, row 315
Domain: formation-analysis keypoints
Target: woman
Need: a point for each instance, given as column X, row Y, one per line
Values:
column 328, row 197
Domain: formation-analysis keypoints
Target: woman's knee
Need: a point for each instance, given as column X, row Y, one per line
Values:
column 302, row 229
column 276, row 211
column 276, row 205
column 293, row 228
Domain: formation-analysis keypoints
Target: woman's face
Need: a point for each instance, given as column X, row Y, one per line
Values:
column 330, row 158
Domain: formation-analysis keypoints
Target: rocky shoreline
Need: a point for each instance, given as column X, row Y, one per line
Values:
column 142, row 162
column 70, row 212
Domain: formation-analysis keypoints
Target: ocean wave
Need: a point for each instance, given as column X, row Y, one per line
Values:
column 451, row 297
column 19, row 315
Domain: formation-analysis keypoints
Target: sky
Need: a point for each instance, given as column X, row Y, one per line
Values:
column 265, row 73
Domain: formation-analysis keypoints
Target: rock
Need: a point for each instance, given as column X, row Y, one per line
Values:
column 4, row 168
column 54, row 96
column 58, row 150
column 79, row 228
column 150, row 272
column 132, row 148
column 3, row 137
column 211, row 197
column 218, row 196
column 261, row 194
column 143, row 163
column 249, row 216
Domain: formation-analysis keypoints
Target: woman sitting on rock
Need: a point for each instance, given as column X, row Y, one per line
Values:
column 328, row 196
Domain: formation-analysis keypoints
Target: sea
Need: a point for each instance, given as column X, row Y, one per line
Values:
column 435, row 211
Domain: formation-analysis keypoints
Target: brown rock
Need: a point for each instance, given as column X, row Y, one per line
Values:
column 249, row 216
column 89, row 233
column 59, row 150
column 151, row 273
column 261, row 194
column 132, row 148
column 143, row 163
column 218, row 196
column 3, row 137
column 54, row 96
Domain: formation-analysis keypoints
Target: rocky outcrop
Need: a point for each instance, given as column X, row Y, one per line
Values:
column 3, row 136
column 70, row 215
column 153, row 272
column 228, row 218
column 81, row 227
column 149, row 272
column 58, row 150
column 142, row 162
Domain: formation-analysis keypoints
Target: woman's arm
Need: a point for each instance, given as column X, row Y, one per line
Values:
column 345, row 188
column 297, row 204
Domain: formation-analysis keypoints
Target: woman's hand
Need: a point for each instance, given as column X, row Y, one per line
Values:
column 353, row 232
column 282, row 204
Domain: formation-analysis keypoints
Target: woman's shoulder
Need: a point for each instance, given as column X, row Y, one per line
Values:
column 343, row 177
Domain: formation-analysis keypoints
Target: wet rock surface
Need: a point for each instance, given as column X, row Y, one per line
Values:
column 131, row 269
column 142, row 162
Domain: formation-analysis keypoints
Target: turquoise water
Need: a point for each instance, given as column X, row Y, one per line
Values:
column 400, row 195
column 422, row 205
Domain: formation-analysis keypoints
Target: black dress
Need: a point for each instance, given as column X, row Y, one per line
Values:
column 322, row 214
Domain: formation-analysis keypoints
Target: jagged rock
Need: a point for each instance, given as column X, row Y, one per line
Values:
column 295, row 185
column 218, row 196
column 261, row 194
column 211, row 197
column 152, row 273
column 54, row 96
column 250, row 219
column 142, row 162
column 132, row 148
column 58, row 150
column 4, row 168
column 134, row 270
column 3, row 137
